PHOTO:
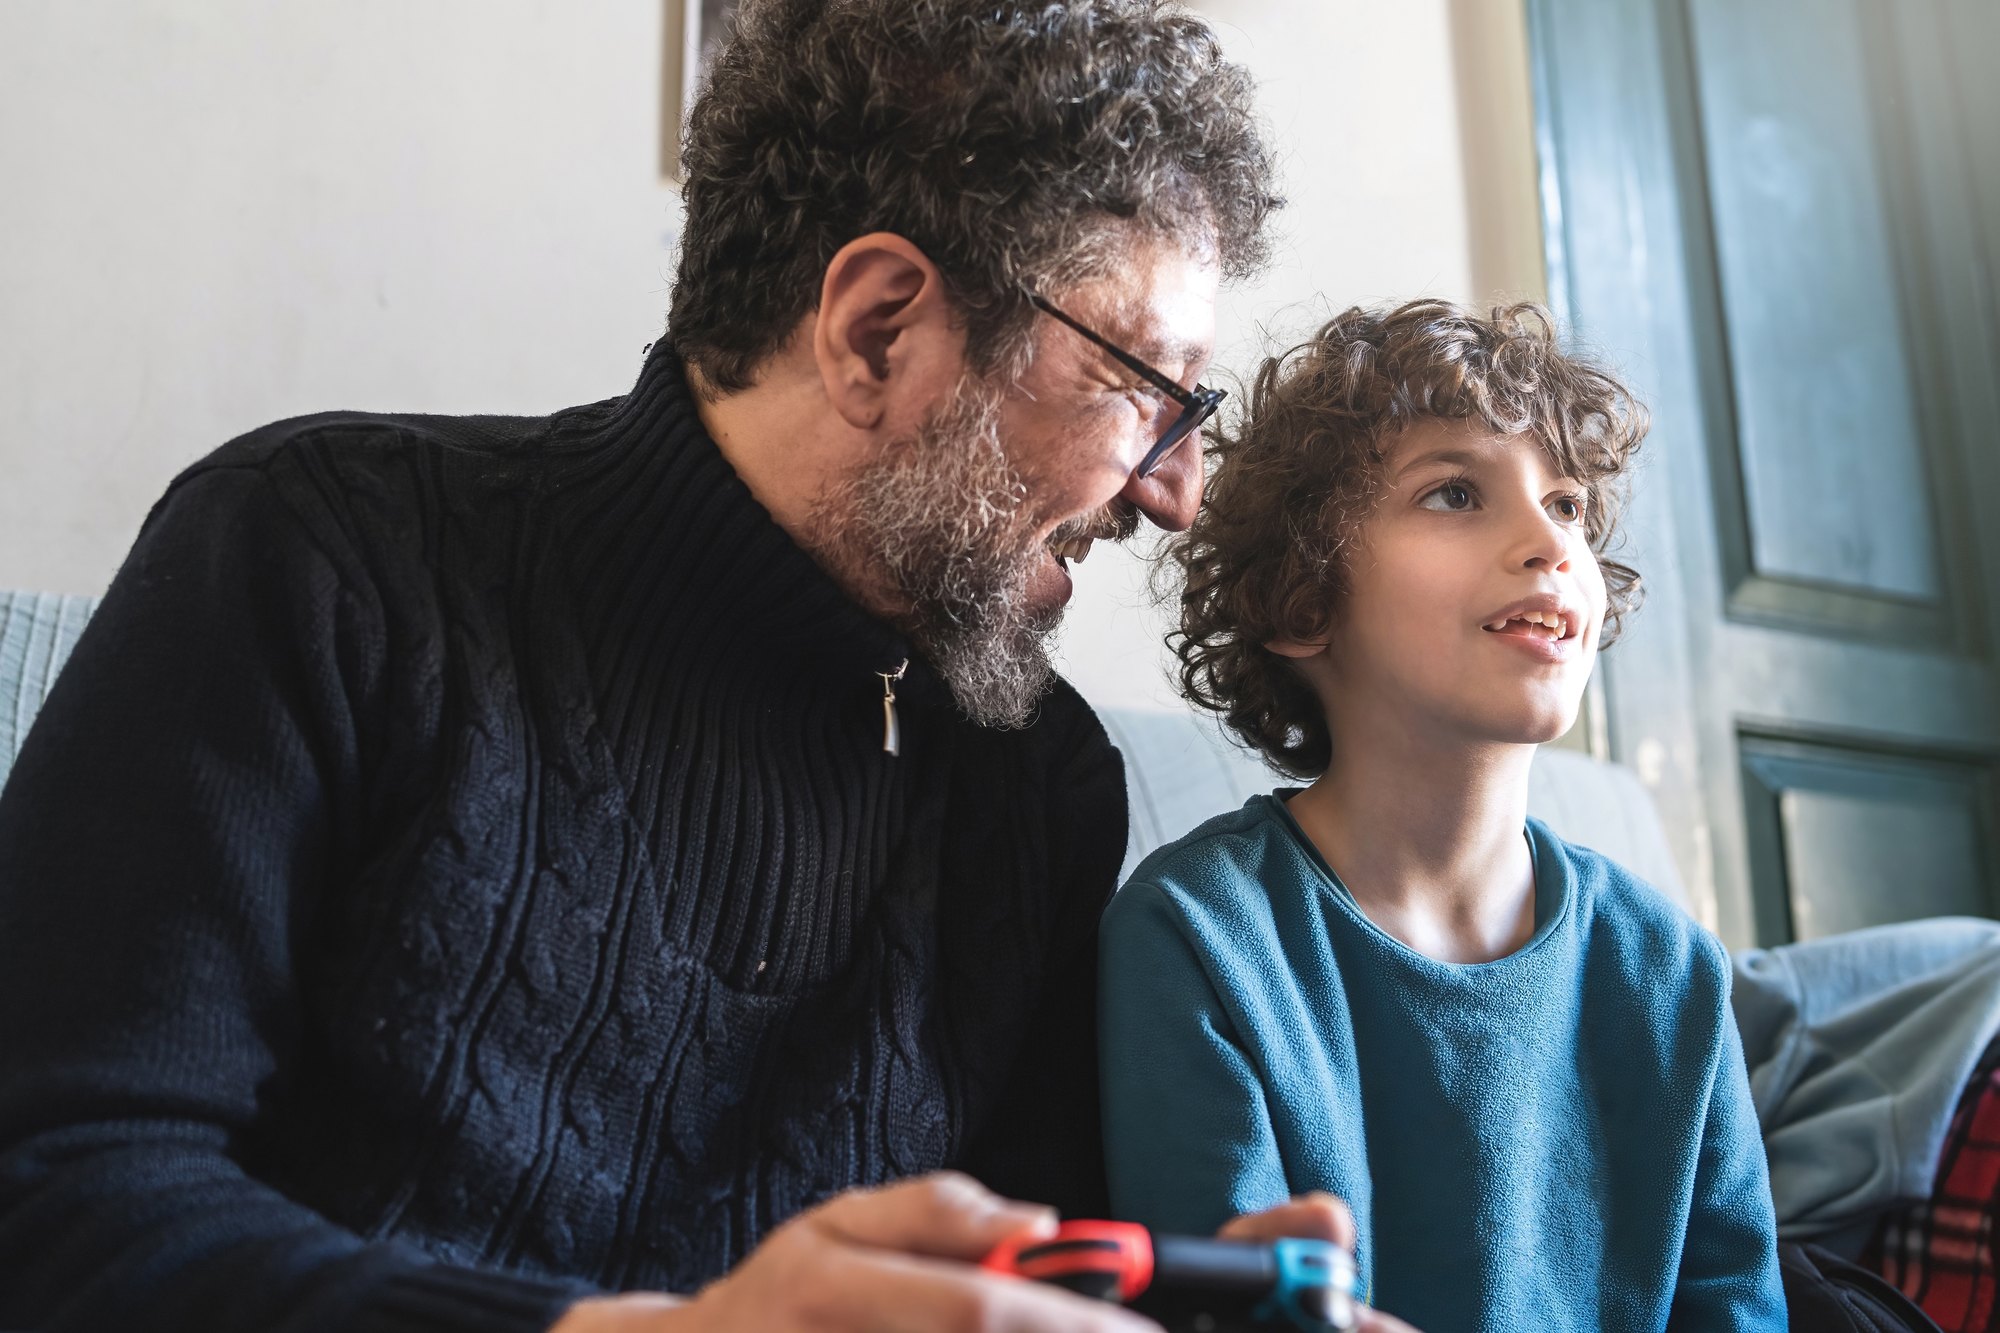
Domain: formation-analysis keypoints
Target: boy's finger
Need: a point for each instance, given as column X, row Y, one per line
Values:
column 1316, row 1216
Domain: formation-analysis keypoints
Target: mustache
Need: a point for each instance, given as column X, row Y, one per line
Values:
column 1115, row 522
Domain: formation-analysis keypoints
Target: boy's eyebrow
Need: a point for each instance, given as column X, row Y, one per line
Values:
column 1466, row 458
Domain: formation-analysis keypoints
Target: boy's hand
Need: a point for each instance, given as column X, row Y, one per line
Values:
column 1315, row 1216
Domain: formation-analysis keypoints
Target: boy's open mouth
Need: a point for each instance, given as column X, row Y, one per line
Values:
column 1552, row 625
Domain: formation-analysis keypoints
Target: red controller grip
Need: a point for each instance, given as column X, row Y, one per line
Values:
column 1120, row 1250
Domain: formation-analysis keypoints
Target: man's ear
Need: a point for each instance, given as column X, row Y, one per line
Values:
column 1295, row 649
column 883, row 327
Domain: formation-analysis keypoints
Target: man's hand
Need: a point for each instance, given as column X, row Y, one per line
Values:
column 893, row 1259
column 1316, row 1216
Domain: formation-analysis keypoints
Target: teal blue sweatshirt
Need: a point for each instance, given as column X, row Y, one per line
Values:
column 1560, row 1139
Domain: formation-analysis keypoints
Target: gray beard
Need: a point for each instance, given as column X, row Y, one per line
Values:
column 938, row 529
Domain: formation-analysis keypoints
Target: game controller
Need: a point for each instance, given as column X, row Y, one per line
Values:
column 1193, row 1285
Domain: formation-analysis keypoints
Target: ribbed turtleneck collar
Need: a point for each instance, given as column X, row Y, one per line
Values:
column 660, row 529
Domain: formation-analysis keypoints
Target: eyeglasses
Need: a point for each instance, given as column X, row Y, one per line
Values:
column 1197, row 404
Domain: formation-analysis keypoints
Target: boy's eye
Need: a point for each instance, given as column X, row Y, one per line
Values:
column 1451, row 497
column 1566, row 508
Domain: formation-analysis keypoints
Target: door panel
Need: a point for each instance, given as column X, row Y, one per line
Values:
column 1776, row 216
column 1859, row 839
column 1826, row 441
column 1972, row 35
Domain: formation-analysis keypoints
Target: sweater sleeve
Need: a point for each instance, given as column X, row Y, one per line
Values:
column 1188, row 1138
column 176, row 814
column 1048, row 1140
column 1729, row 1260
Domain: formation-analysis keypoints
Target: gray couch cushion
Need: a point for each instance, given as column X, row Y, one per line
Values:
column 1606, row 808
column 1180, row 770
column 37, row 631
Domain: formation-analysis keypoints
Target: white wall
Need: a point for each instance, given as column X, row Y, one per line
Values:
column 213, row 215
column 216, row 214
column 1378, row 111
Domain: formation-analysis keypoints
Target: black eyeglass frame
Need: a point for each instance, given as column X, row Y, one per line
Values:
column 1197, row 405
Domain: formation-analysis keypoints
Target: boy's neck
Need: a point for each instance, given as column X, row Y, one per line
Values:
column 1431, row 841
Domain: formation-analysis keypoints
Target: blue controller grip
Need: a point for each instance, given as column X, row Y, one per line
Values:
column 1314, row 1287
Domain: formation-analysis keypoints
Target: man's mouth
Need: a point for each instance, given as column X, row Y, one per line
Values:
column 1071, row 541
column 1076, row 549
column 1552, row 625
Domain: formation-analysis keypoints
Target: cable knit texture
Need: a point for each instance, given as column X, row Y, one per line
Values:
column 459, row 869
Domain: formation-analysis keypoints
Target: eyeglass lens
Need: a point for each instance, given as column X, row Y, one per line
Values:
column 1192, row 415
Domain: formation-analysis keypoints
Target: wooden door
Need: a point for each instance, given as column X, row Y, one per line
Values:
column 1781, row 219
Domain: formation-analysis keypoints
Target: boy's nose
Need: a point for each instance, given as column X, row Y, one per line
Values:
column 1544, row 545
column 1172, row 495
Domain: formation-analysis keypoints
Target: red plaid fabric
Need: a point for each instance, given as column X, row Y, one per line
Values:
column 1941, row 1251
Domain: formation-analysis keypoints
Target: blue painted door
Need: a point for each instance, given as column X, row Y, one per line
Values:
column 1782, row 219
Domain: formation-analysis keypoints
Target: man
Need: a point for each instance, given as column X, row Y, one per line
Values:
column 474, row 865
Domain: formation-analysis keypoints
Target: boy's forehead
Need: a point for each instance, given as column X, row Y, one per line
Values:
column 1465, row 442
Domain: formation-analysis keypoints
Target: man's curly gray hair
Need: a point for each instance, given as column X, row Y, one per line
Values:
column 1000, row 136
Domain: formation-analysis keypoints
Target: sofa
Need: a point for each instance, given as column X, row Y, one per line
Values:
column 1858, row 1046
column 37, row 631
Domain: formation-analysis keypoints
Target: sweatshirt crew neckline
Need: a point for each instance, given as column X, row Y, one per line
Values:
column 1553, row 897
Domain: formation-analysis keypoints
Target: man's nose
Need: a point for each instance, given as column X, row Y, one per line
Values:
column 1172, row 494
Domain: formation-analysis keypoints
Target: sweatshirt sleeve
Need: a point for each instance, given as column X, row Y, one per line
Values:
column 176, row 813
column 1729, row 1275
column 1188, row 1139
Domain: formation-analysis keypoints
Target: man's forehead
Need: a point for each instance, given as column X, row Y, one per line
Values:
column 1158, row 302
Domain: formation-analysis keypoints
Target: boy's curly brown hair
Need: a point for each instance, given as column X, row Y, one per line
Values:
column 1295, row 477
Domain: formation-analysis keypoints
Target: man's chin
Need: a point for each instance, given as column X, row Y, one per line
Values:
column 997, row 672
column 995, row 685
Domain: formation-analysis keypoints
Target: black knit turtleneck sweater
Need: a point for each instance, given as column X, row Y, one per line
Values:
column 459, row 868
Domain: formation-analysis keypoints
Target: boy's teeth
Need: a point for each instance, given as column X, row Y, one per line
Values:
column 1551, row 621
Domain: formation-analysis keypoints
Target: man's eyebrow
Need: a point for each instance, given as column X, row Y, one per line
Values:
column 1170, row 353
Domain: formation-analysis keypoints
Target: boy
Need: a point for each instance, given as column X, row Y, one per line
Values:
column 1514, row 1061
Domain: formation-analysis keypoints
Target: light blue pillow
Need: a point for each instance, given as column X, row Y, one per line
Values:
column 37, row 631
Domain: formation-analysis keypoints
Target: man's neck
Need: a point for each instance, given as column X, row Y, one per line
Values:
column 1429, row 838
column 777, row 438
column 765, row 433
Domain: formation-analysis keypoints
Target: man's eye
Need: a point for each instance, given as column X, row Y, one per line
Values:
column 1566, row 509
column 1451, row 497
column 1149, row 402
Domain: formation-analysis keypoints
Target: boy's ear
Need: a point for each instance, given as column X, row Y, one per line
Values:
column 883, row 330
column 1295, row 649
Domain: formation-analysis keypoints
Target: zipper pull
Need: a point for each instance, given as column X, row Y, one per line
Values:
column 892, row 732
